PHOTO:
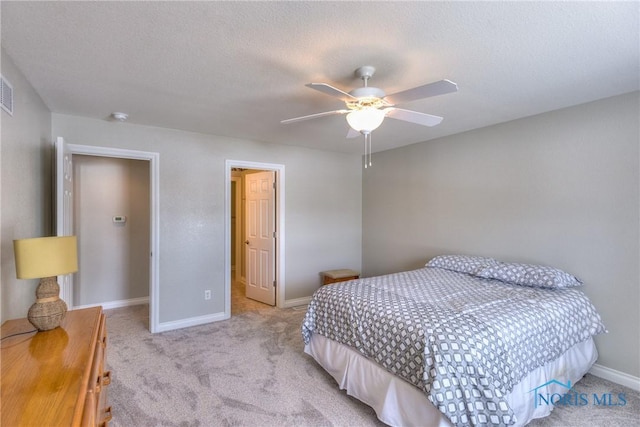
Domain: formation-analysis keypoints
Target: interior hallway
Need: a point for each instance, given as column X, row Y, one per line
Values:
column 240, row 303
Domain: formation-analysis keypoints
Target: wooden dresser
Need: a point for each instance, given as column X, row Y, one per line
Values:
column 56, row 377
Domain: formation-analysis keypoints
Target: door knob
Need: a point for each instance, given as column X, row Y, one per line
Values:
column 246, row 242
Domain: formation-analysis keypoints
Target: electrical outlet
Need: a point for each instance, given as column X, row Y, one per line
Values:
column 207, row 294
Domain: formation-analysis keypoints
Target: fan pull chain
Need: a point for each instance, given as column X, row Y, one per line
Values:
column 367, row 150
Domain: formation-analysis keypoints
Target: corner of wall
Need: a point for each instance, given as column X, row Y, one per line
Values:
column 25, row 196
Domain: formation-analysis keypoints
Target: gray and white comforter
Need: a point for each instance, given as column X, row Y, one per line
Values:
column 464, row 340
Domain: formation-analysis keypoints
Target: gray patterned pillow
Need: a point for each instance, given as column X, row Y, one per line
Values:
column 538, row 276
column 461, row 263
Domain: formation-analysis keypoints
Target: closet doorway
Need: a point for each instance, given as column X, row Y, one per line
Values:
column 111, row 217
column 65, row 191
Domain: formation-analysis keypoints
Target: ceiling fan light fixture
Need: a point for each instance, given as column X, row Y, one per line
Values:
column 366, row 119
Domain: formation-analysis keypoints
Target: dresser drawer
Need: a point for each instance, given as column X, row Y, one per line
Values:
column 101, row 377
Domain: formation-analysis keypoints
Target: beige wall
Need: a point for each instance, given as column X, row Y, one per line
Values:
column 113, row 257
column 319, row 235
column 25, row 179
column 560, row 188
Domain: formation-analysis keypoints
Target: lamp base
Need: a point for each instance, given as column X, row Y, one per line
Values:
column 49, row 310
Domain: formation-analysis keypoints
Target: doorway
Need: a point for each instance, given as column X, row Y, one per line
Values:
column 64, row 211
column 252, row 240
column 254, row 235
column 111, row 221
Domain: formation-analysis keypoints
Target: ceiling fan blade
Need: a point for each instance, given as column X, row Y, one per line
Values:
column 330, row 90
column 313, row 116
column 412, row 116
column 353, row 133
column 425, row 91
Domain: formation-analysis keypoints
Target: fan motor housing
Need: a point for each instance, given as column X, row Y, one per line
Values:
column 367, row 97
column 367, row 92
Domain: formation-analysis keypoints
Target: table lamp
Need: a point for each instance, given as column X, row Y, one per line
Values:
column 45, row 258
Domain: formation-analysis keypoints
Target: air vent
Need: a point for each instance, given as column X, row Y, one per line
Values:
column 6, row 95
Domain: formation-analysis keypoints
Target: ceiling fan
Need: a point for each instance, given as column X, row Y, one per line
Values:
column 367, row 106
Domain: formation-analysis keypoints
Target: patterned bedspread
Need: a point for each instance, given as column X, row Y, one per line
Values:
column 464, row 340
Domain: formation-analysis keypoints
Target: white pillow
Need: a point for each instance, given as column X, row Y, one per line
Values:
column 537, row 276
column 461, row 263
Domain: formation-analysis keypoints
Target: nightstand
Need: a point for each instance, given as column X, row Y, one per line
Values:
column 334, row 276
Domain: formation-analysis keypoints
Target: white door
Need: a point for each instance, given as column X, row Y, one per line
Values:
column 260, row 236
column 64, row 208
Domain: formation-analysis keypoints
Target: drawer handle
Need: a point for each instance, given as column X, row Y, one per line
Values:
column 106, row 378
column 107, row 416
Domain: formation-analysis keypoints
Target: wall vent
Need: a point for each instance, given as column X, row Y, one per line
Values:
column 6, row 95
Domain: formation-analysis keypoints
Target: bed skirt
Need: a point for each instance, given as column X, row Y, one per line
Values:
column 399, row 403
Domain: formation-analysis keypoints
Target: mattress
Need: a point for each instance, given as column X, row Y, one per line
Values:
column 398, row 403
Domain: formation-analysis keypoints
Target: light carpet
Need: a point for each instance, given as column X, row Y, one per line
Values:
column 251, row 371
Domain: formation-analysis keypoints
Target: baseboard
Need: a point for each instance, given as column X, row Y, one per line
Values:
column 616, row 376
column 296, row 302
column 210, row 318
column 115, row 304
column 192, row 321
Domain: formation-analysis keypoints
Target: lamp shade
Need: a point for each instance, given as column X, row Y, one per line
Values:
column 366, row 119
column 45, row 256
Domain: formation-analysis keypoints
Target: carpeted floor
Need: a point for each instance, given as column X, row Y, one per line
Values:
column 251, row 371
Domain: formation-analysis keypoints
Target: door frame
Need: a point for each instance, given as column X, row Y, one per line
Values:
column 238, row 238
column 154, row 181
column 280, row 229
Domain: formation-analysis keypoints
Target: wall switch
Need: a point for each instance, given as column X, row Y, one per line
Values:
column 207, row 294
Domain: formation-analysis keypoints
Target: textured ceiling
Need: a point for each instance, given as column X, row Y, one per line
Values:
column 237, row 68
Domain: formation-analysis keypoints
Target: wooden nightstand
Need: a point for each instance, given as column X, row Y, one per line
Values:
column 334, row 276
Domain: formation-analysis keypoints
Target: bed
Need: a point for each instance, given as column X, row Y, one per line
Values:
column 462, row 341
